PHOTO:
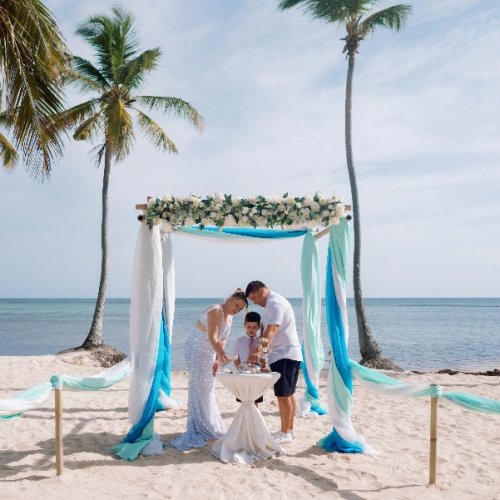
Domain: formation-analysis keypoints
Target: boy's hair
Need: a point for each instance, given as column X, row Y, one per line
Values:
column 252, row 317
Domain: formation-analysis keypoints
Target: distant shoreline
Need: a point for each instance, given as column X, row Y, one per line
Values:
column 494, row 372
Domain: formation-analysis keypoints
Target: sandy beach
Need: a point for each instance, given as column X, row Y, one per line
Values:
column 468, row 446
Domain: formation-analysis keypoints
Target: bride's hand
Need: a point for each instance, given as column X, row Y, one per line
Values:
column 215, row 368
column 223, row 358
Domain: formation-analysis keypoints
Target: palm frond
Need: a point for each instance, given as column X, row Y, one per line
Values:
column 98, row 153
column 8, row 153
column 394, row 18
column 86, row 73
column 89, row 128
column 155, row 133
column 70, row 117
column 175, row 106
column 135, row 71
column 329, row 11
column 118, row 129
column 113, row 38
column 96, row 31
column 33, row 57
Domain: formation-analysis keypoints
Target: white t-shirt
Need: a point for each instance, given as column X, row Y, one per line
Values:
column 278, row 311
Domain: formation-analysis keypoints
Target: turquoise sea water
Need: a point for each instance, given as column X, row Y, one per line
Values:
column 418, row 334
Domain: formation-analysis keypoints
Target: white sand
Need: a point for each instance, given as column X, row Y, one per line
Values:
column 468, row 447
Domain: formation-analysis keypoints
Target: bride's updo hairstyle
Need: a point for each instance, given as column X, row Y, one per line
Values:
column 238, row 294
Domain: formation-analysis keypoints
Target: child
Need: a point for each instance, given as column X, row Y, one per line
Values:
column 249, row 343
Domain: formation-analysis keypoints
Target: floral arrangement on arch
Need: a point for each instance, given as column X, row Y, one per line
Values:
column 221, row 210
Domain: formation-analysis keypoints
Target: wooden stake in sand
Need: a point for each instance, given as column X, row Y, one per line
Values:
column 59, row 435
column 433, row 441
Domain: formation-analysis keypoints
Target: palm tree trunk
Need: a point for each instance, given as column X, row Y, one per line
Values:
column 368, row 346
column 94, row 338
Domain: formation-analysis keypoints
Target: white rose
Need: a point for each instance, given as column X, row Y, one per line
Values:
column 315, row 206
column 265, row 212
column 325, row 213
column 167, row 198
column 166, row 227
column 156, row 220
column 299, row 205
column 213, row 215
column 229, row 221
column 235, row 201
column 244, row 210
column 244, row 218
column 218, row 197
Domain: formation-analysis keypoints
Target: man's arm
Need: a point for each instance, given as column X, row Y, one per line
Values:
column 269, row 333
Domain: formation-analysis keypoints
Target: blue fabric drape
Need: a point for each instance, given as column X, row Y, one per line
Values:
column 246, row 232
column 142, row 432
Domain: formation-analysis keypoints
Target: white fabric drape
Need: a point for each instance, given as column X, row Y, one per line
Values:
column 145, row 317
column 168, row 281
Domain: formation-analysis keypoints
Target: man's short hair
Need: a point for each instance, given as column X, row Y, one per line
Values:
column 254, row 286
column 252, row 317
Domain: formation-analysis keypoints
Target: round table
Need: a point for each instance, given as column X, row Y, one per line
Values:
column 248, row 438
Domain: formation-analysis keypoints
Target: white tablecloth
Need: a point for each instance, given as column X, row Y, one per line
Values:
column 248, row 438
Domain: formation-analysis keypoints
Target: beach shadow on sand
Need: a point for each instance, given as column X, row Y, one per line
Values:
column 18, row 463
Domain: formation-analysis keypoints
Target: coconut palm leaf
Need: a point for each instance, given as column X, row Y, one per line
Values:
column 174, row 105
column 118, row 129
column 89, row 128
column 329, row 11
column 33, row 56
column 393, row 18
column 85, row 71
column 80, row 112
column 155, row 133
column 135, row 71
column 8, row 153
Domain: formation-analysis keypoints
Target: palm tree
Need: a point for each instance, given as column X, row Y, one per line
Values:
column 33, row 55
column 359, row 20
column 120, row 71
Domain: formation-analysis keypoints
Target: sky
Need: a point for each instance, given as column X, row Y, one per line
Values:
column 271, row 87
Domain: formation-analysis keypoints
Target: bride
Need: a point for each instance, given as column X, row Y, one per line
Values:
column 203, row 351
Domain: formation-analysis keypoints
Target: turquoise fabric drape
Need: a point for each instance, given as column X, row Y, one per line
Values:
column 312, row 348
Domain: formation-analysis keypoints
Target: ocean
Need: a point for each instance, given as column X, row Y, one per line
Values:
column 418, row 334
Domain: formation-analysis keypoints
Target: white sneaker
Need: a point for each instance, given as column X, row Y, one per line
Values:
column 282, row 437
column 276, row 433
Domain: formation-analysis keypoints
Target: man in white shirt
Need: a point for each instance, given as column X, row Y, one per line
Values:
column 286, row 354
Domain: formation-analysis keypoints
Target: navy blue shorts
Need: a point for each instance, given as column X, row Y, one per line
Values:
column 289, row 369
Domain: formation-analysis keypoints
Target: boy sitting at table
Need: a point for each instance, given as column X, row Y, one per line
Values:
column 248, row 344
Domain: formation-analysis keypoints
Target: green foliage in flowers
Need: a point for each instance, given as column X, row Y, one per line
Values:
column 227, row 210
